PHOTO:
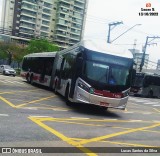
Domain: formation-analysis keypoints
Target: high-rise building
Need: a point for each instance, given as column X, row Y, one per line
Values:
column 137, row 55
column 158, row 64
column 61, row 21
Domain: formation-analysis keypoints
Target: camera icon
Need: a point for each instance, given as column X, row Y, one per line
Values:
column 6, row 150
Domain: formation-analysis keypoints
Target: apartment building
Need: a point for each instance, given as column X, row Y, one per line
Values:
column 61, row 21
column 137, row 55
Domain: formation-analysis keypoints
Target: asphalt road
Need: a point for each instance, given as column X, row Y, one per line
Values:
column 33, row 116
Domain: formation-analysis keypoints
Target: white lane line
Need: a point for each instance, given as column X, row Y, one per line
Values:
column 55, row 109
column 128, row 112
column 147, row 113
column 156, row 121
column 30, row 108
column 19, row 82
column 3, row 81
column 156, row 105
column 4, row 115
column 135, row 120
column 150, row 103
column 9, row 81
column 110, row 119
column 140, row 101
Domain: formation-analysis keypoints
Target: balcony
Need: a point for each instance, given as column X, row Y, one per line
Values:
column 26, row 13
column 29, row 8
column 80, row 1
column 28, row 20
column 26, row 26
column 33, row 2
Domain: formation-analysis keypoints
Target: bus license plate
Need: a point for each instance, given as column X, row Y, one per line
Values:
column 105, row 104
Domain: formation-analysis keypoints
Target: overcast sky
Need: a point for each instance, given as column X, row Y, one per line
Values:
column 102, row 12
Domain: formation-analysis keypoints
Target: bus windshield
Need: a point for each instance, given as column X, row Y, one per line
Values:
column 152, row 80
column 138, row 82
column 106, row 73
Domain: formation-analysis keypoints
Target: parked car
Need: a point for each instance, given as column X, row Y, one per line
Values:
column 7, row 70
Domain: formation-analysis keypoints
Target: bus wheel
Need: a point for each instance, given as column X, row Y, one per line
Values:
column 104, row 108
column 31, row 80
column 27, row 78
column 55, row 88
column 150, row 94
column 4, row 73
column 66, row 96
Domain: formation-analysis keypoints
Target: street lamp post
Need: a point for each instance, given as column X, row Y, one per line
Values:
column 125, row 32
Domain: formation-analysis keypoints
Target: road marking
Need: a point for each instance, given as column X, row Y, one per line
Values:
column 111, row 119
column 63, row 137
column 36, row 116
column 150, row 103
column 50, row 108
column 156, row 110
column 156, row 105
column 156, row 121
column 78, row 123
column 128, row 112
column 19, row 82
column 9, row 81
column 127, row 144
column 118, row 143
column 146, row 113
column 79, row 118
column 31, row 102
column 96, row 120
column 55, row 109
column 136, row 120
column 4, row 115
column 117, row 134
column 29, row 108
column 7, row 102
column 3, row 81
column 13, row 92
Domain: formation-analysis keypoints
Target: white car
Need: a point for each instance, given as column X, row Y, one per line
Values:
column 7, row 70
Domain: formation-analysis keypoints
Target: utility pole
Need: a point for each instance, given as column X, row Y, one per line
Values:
column 111, row 26
column 144, row 50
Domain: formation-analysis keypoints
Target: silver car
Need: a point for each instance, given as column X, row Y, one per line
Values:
column 7, row 70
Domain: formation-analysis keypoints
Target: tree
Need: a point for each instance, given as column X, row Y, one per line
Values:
column 11, row 51
column 41, row 45
column 3, row 48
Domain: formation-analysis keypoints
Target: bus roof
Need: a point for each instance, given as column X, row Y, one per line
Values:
column 104, row 47
column 42, row 54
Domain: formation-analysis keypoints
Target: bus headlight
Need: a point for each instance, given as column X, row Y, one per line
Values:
column 85, row 87
column 125, row 93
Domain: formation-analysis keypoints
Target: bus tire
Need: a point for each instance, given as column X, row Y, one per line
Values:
column 31, row 80
column 68, row 103
column 55, row 88
column 104, row 108
column 150, row 94
column 4, row 73
column 27, row 78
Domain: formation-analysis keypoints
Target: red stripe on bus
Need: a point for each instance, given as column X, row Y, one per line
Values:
column 108, row 94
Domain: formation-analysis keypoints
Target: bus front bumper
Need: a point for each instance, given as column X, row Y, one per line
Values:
column 84, row 97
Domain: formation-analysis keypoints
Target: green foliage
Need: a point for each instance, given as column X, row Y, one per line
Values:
column 11, row 52
column 41, row 45
column 3, row 53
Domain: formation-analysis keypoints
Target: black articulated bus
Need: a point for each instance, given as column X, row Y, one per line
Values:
column 93, row 72
column 37, row 68
column 146, row 85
